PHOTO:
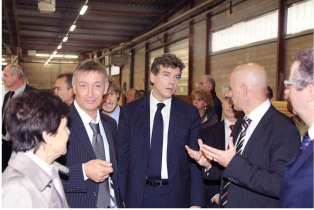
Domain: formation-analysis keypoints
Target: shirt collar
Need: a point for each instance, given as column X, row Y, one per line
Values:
column 19, row 90
column 42, row 164
column 257, row 114
column 153, row 101
column 311, row 131
column 227, row 123
column 85, row 117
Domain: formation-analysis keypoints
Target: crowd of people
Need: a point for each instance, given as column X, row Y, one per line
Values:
column 77, row 147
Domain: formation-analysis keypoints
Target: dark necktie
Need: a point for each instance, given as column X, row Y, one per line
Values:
column 305, row 142
column 103, row 198
column 11, row 94
column 155, row 154
column 239, row 147
column 231, row 128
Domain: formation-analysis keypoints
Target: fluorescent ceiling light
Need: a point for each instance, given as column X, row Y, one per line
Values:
column 59, row 47
column 41, row 55
column 83, row 10
column 58, row 56
column 3, row 59
column 3, row 64
column 51, row 56
column 65, row 39
column 54, row 52
column 70, row 56
column 72, row 27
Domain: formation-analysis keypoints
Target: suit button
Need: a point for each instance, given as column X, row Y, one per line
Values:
column 94, row 194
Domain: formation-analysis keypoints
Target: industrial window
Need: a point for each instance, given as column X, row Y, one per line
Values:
column 181, row 50
column 254, row 30
column 300, row 17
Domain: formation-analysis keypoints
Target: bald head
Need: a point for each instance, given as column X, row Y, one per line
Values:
column 248, row 83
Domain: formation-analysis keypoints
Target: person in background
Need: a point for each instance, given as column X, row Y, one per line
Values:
column 13, row 78
column 91, row 158
column 269, row 94
column 154, row 169
column 208, row 83
column 203, row 101
column 63, row 88
column 143, row 93
column 132, row 95
column 263, row 142
column 110, row 102
column 37, row 124
column 297, row 183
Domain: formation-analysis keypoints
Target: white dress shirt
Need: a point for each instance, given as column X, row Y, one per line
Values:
column 311, row 131
column 256, row 116
column 86, row 120
column 166, row 116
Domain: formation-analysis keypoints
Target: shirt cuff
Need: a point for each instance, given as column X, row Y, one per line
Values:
column 85, row 177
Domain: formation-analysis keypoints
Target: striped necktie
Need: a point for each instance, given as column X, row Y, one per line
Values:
column 239, row 147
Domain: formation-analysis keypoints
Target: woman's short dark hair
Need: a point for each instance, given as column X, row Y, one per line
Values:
column 29, row 115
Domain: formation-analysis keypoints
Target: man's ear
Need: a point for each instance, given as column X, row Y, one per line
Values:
column 243, row 89
column 152, row 77
column 74, row 87
column 309, row 93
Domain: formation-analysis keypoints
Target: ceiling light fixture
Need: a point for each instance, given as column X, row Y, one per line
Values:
column 4, row 64
column 41, row 55
column 83, row 10
column 3, row 59
column 72, row 28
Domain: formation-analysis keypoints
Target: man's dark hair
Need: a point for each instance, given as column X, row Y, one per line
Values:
column 137, row 93
column 114, row 85
column 29, row 115
column 143, row 93
column 270, row 93
column 306, row 67
column 88, row 66
column 68, row 79
column 166, row 60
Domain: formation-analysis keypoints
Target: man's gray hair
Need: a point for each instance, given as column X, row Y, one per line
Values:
column 224, row 89
column 16, row 69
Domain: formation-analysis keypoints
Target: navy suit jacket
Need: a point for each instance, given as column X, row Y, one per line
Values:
column 184, row 175
column 256, row 175
column 81, row 193
column 297, row 184
column 215, row 137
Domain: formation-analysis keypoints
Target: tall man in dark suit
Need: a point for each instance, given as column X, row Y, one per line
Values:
column 154, row 168
column 13, row 79
column 297, row 184
column 263, row 142
column 91, row 157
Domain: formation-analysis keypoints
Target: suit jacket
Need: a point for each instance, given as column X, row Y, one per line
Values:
column 210, row 118
column 256, row 174
column 217, row 106
column 27, row 185
column 184, row 176
column 215, row 137
column 81, row 193
column 297, row 184
column 6, row 146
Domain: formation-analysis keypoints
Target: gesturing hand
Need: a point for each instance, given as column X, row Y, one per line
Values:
column 198, row 155
column 220, row 156
column 98, row 170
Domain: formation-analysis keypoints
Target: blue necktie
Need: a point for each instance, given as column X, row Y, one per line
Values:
column 305, row 142
column 155, row 154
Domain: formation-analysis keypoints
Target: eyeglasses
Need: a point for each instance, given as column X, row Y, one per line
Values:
column 300, row 83
column 227, row 98
column 288, row 83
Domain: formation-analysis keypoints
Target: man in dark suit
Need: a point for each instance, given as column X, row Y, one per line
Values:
column 91, row 156
column 155, row 171
column 263, row 142
column 208, row 83
column 217, row 136
column 13, row 79
column 297, row 184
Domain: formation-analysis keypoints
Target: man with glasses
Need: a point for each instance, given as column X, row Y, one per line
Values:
column 263, row 142
column 297, row 184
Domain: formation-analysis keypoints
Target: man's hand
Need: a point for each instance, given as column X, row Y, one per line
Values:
column 216, row 199
column 98, row 170
column 198, row 155
column 195, row 207
column 220, row 156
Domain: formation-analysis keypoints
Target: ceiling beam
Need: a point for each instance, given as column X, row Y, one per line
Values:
column 7, row 20
column 17, row 28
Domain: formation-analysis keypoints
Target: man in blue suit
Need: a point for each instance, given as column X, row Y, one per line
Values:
column 91, row 157
column 155, row 170
column 297, row 184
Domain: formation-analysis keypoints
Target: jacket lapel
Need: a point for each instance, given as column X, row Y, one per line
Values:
column 145, row 123
column 77, row 124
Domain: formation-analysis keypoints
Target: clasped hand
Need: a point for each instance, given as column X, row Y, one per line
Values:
column 98, row 170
